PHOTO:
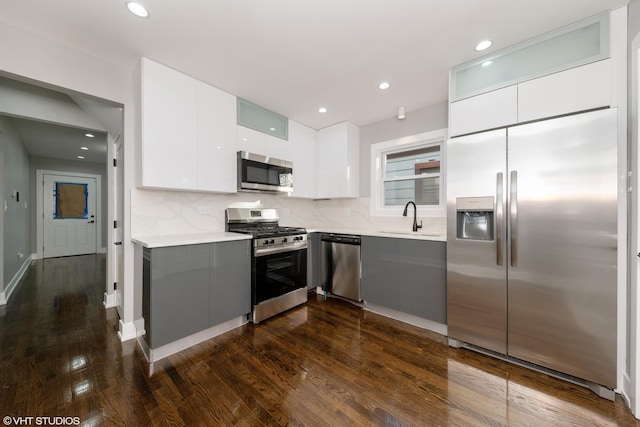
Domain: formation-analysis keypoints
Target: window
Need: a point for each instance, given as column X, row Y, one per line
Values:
column 70, row 201
column 408, row 169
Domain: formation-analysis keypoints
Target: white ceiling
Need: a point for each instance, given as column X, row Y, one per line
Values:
column 61, row 142
column 293, row 56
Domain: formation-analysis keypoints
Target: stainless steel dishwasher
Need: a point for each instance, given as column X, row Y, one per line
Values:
column 341, row 265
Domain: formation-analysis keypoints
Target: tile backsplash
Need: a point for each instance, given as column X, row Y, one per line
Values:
column 159, row 212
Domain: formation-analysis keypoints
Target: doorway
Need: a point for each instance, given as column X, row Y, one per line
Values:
column 68, row 214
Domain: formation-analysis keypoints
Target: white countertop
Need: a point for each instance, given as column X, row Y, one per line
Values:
column 188, row 239
column 396, row 234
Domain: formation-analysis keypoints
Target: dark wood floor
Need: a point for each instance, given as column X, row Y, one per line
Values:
column 327, row 363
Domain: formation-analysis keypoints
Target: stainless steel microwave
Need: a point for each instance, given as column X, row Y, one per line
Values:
column 261, row 173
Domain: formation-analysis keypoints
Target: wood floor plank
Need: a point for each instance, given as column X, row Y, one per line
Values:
column 324, row 363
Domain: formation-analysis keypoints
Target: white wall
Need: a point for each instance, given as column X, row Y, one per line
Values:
column 420, row 121
column 15, row 177
column 32, row 58
column 68, row 166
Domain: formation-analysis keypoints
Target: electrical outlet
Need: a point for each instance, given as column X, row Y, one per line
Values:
column 204, row 209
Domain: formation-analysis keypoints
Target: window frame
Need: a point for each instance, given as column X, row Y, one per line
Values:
column 378, row 153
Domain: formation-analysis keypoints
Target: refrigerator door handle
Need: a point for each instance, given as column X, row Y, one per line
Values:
column 513, row 218
column 499, row 218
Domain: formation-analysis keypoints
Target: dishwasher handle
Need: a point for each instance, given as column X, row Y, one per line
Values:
column 346, row 239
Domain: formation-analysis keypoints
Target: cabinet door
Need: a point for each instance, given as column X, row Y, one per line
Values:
column 487, row 111
column 338, row 161
column 216, row 136
column 379, row 283
column 230, row 280
column 302, row 146
column 578, row 89
column 422, row 280
column 169, row 145
column 314, row 260
column 250, row 140
column 179, row 292
column 259, row 143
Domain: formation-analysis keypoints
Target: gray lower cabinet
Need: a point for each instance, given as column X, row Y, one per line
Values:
column 314, row 260
column 379, row 281
column 187, row 289
column 422, row 279
column 405, row 275
column 230, row 280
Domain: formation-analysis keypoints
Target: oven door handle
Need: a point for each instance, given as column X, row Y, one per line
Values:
column 258, row 252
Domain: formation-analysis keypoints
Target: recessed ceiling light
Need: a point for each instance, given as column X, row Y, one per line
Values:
column 384, row 85
column 483, row 45
column 487, row 63
column 322, row 110
column 89, row 135
column 84, row 148
column 137, row 9
column 81, row 157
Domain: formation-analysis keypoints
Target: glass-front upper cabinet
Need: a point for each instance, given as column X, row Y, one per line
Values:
column 258, row 118
column 578, row 44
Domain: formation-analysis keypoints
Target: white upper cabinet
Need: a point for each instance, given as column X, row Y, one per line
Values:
column 217, row 164
column 169, row 144
column 565, row 71
column 569, row 47
column 494, row 109
column 257, row 142
column 578, row 89
column 302, row 148
column 338, row 161
column 187, row 132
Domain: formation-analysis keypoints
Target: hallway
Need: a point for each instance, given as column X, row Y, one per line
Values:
column 326, row 363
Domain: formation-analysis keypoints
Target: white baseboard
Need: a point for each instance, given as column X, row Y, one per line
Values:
column 139, row 324
column 13, row 284
column 127, row 331
column 36, row 256
column 408, row 318
column 102, row 251
column 109, row 300
column 155, row 354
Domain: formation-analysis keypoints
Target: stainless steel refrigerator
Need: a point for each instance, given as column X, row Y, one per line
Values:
column 532, row 241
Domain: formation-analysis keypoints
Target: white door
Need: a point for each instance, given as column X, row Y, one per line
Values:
column 118, row 188
column 69, row 207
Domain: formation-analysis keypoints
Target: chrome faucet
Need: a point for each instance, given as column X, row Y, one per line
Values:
column 415, row 213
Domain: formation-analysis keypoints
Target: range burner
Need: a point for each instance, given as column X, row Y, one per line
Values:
column 262, row 232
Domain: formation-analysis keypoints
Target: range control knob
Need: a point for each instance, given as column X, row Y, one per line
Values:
column 284, row 240
column 272, row 241
column 266, row 242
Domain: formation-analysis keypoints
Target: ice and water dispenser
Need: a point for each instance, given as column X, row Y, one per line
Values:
column 474, row 218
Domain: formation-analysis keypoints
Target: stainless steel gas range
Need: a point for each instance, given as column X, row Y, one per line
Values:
column 279, row 261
